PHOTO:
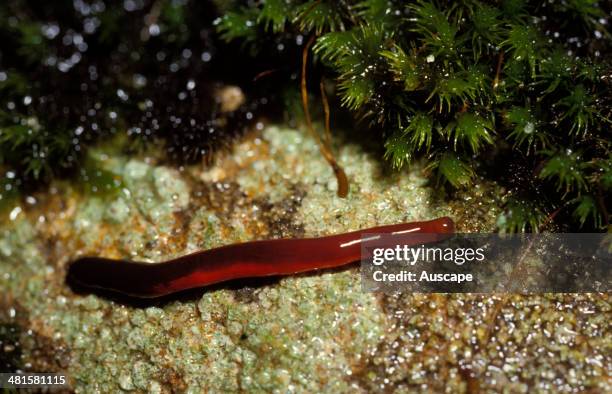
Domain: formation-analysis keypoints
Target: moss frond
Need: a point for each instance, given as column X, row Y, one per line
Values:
column 404, row 67
column 240, row 25
column 320, row 16
column 471, row 130
column 579, row 109
column 520, row 216
column 565, row 170
column 527, row 132
column 409, row 139
column 523, row 42
column 586, row 209
column 452, row 169
column 438, row 31
column 274, row 15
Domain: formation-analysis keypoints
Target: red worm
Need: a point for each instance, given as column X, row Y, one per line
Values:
column 245, row 260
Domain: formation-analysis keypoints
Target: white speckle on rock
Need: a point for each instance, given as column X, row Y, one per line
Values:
column 136, row 169
column 154, row 387
column 125, row 382
column 118, row 211
column 171, row 188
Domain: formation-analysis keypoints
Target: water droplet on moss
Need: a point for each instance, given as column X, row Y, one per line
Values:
column 14, row 213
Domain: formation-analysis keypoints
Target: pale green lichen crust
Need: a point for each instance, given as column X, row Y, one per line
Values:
column 306, row 333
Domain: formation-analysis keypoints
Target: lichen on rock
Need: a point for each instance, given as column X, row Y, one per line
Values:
column 305, row 333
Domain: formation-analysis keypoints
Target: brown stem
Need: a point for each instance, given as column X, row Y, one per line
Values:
column 500, row 61
column 326, row 110
column 325, row 149
column 264, row 74
column 304, row 91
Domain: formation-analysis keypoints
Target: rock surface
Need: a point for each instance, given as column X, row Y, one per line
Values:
column 307, row 333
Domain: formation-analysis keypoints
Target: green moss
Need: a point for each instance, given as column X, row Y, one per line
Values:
column 474, row 84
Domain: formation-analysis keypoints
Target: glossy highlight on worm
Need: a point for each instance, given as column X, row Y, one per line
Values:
column 274, row 257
